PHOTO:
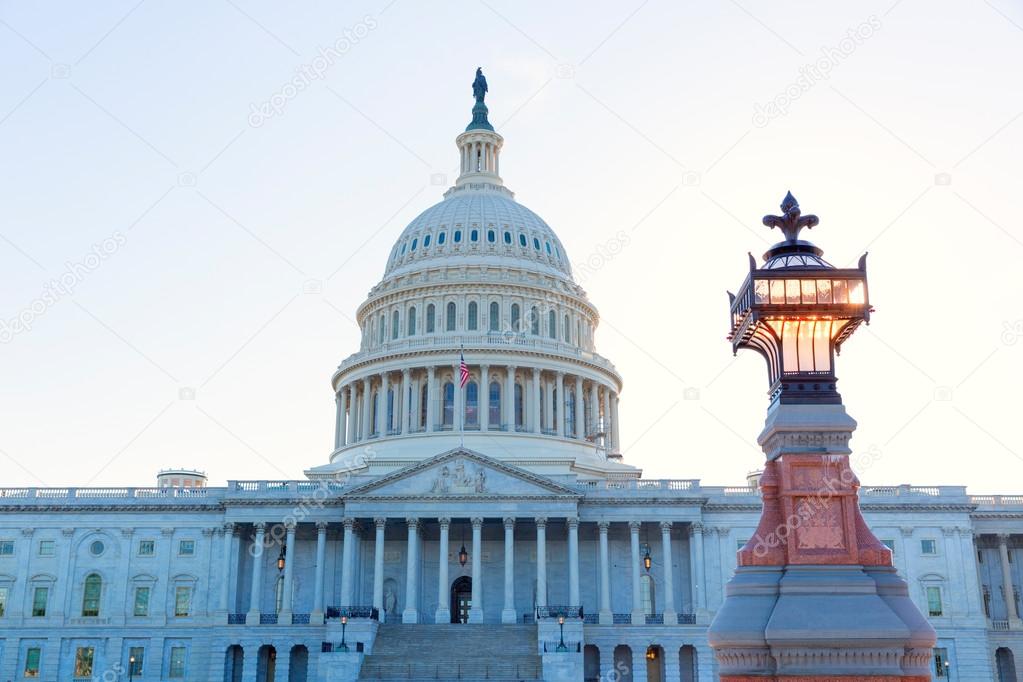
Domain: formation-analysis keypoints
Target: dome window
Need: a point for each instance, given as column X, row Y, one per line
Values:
column 394, row 324
column 458, row 236
column 441, row 238
column 548, row 245
column 474, row 236
column 473, row 321
column 515, row 317
column 491, row 236
column 552, row 325
column 536, row 243
column 522, row 240
column 449, row 319
column 415, row 243
column 431, row 318
column 495, row 316
column 507, row 237
column 403, row 248
column 426, row 241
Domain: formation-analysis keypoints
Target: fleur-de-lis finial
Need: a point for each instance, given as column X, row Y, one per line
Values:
column 790, row 221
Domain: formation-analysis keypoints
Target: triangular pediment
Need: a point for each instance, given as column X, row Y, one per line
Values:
column 461, row 473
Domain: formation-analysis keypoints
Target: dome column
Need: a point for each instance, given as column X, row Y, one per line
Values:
column 484, row 398
column 367, row 411
column 615, row 435
column 339, row 426
column 382, row 420
column 580, row 409
column 509, row 398
column 406, row 401
column 353, row 418
column 431, row 398
column 594, row 409
column 560, row 393
column 534, row 405
column 607, row 418
column 548, row 406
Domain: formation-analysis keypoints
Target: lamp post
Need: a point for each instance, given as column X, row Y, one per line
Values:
column 281, row 558
column 647, row 559
column 561, row 644
column 948, row 671
column 131, row 668
column 344, row 625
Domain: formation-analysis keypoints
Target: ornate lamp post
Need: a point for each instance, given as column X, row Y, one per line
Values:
column 344, row 625
column 131, row 668
column 561, row 644
column 814, row 594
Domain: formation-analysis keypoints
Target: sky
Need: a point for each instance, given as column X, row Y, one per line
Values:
column 185, row 236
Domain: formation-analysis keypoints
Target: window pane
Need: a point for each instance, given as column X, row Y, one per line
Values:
column 136, row 657
column 32, row 657
column 182, row 601
column 792, row 291
column 177, row 662
column 449, row 404
column 777, row 291
column 495, row 403
column 856, row 291
column 46, row 547
column 473, row 315
column 809, row 291
column 534, row 321
column 495, row 317
column 3, row 601
column 39, row 598
column 6, row 547
column 83, row 661
column 760, row 289
column 141, row 601
column 187, row 547
column 450, row 321
column 840, row 292
column 934, row 601
column 824, row 291
column 91, row 594
column 472, row 402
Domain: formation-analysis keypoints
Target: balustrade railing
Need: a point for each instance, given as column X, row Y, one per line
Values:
column 547, row 612
column 350, row 612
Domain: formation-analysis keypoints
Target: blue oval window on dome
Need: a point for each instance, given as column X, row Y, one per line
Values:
column 507, row 237
column 441, row 238
column 474, row 236
column 415, row 243
column 426, row 241
column 403, row 248
column 536, row 243
column 548, row 245
column 458, row 236
column 522, row 239
column 491, row 236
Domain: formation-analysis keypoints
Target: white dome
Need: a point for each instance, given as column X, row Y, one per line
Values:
column 479, row 225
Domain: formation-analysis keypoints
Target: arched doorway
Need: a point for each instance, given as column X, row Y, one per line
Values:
column 266, row 664
column 233, row 660
column 623, row 663
column 461, row 599
column 298, row 670
column 1006, row 665
column 654, row 663
column 591, row 663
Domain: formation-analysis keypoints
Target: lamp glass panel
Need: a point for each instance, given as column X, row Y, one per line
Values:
column 792, row 291
column 790, row 359
column 760, row 287
column 824, row 291
column 805, row 346
column 856, row 291
column 822, row 346
column 777, row 291
column 809, row 291
column 840, row 291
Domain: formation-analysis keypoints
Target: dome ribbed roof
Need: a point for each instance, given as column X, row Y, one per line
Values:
column 484, row 226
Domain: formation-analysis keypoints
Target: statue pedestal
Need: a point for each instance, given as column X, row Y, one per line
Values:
column 815, row 595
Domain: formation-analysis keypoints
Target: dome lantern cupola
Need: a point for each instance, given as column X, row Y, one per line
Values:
column 479, row 146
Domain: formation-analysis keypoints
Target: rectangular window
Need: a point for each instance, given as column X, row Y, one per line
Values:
column 176, row 669
column 46, row 547
column 941, row 664
column 136, row 657
column 147, row 547
column 186, row 548
column 890, row 544
column 83, row 661
column 182, row 601
column 141, row 601
column 32, row 657
column 934, row 601
column 6, row 547
column 4, row 591
column 39, row 598
column 928, row 547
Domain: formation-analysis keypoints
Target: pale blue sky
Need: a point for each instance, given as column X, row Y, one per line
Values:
column 130, row 122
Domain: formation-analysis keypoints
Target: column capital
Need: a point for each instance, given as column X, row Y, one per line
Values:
column 536, row 372
column 349, row 523
column 696, row 528
column 512, row 368
column 541, row 521
column 666, row 526
column 289, row 525
column 603, row 526
column 405, row 372
column 559, row 374
column 125, row 532
column 444, row 522
column 634, row 526
column 260, row 527
column 509, row 522
column 27, row 532
column 413, row 522
column 206, row 532
column 477, row 522
column 229, row 528
column 321, row 525
column 1003, row 538
column 948, row 531
column 907, row 531
column 573, row 522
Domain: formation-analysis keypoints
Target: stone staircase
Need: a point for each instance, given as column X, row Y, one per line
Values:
column 471, row 653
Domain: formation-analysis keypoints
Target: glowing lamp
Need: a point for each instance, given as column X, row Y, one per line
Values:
column 281, row 559
column 463, row 556
column 647, row 561
column 797, row 310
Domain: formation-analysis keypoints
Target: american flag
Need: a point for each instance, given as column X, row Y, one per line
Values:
column 463, row 371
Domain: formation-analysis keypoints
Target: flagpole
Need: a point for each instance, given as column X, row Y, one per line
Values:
column 461, row 391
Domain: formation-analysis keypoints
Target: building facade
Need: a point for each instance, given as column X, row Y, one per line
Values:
column 475, row 518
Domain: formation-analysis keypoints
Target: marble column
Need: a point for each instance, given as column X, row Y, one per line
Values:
column 615, row 432
column 548, row 406
column 534, row 406
column 1008, row 592
column 580, row 410
column 353, row 421
column 484, row 398
column 339, row 433
column 559, row 407
column 347, row 562
column 225, row 567
column 573, row 562
column 367, row 408
column 696, row 566
column 971, row 575
column 476, row 610
column 443, row 614
column 380, row 525
column 406, row 401
column 289, row 573
column 316, row 617
column 605, row 616
column 607, row 419
column 594, row 422
column 411, row 612
column 541, row 561
column 256, row 592
column 509, row 398
column 638, row 615
column 670, row 615
column 382, row 420
column 431, row 399
column 508, row 614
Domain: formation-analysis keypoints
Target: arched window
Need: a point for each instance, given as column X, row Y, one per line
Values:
column 515, row 315
column 474, row 236
column 91, row 594
column 424, row 395
column 494, row 404
column 382, row 331
column 458, row 236
column 534, row 321
column 495, row 316
column 536, row 243
column 449, row 404
column 415, row 243
column 441, row 238
column 403, row 246
column 394, row 324
column 548, row 245
column 390, row 412
column 646, row 594
column 568, row 330
column 507, row 237
column 450, row 317
column 552, row 324
column 522, row 239
column 431, row 319
column 426, row 241
column 473, row 323
column 472, row 404
column 520, row 412
column 491, row 236
column 569, row 412
column 412, row 321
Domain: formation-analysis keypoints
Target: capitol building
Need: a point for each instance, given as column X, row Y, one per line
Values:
column 474, row 518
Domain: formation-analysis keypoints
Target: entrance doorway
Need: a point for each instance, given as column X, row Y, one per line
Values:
column 461, row 599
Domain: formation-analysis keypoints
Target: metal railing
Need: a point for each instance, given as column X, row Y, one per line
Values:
column 236, row 619
column 687, row 619
column 545, row 612
column 268, row 619
column 334, row 612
